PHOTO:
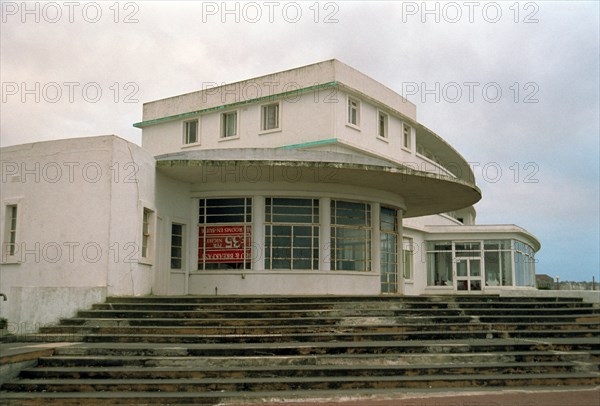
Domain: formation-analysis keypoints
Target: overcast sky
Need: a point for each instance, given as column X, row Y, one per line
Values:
column 514, row 87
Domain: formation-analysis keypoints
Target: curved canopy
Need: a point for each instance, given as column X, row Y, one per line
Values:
column 423, row 192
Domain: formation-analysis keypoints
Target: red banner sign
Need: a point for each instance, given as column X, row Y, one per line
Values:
column 218, row 244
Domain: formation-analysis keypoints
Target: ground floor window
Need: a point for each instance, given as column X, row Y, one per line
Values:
column 350, row 236
column 147, row 233
column 389, row 249
column 471, row 265
column 497, row 258
column 407, row 257
column 291, row 233
column 224, row 233
column 524, row 263
column 439, row 264
column 176, row 246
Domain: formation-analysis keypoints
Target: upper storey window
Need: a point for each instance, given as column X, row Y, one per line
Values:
column 406, row 136
column 229, row 125
column 269, row 117
column 353, row 112
column 190, row 132
column 382, row 124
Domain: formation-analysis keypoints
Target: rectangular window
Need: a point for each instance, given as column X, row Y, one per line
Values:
column 147, row 219
column 190, row 132
column 406, row 136
column 270, row 117
column 10, row 232
column 229, row 124
column 292, row 234
column 439, row 263
column 382, row 125
column 524, row 264
column 176, row 246
column 389, row 249
column 350, row 236
column 407, row 257
column 497, row 263
column 224, row 234
column 353, row 112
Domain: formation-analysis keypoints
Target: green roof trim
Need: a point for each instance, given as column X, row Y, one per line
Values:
column 236, row 104
column 310, row 144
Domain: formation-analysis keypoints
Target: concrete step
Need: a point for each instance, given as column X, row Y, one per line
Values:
column 473, row 346
column 337, row 313
column 327, row 321
column 336, row 337
column 359, row 326
column 338, row 299
column 302, row 383
column 403, row 359
column 262, row 397
column 334, row 305
column 308, row 337
column 295, row 371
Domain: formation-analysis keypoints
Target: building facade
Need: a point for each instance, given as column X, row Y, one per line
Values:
column 315, row 180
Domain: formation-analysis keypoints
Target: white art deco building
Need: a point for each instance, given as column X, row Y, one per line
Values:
column 315, row 180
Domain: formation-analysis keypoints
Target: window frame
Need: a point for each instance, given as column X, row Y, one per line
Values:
column 349, row 123
column 11, row 232
column 263, row 113
column 408, row 252
column 406, row 126
column 181, row 257
column 386, row 118
column 185, row 139
column 207, row 220
column 147, row 235
column 272, row 221
column 367, row 242
column 224, row 121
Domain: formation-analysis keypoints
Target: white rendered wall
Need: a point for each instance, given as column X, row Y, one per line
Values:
column 77, row 211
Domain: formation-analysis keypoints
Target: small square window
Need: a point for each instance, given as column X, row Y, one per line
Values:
column 270, row 117
column 382, row 124
column 353, row 112
column 190, row 135
column 229, row 124
column 406, row 136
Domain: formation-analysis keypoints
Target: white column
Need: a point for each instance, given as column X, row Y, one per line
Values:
column 258, row 233
column 375, row 238
column 325, row 234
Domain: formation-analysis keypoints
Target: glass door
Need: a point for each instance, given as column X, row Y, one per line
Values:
column 468, row 274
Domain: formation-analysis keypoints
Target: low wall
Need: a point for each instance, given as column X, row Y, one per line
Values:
column 30, row 308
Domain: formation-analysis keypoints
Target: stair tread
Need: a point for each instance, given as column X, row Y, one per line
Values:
column 315, row 379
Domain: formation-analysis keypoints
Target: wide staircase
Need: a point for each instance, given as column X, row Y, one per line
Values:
column 209, row 350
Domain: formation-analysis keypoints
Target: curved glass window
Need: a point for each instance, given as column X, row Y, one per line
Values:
column 291, row 233
column 350, row 236
column 389, row 249
column 224, row 233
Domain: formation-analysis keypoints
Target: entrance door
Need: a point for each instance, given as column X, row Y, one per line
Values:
column 468, row 274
